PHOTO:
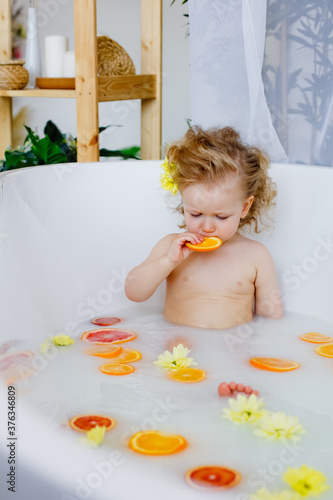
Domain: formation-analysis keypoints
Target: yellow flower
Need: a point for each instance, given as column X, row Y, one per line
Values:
column 62, row 339
column 278, row 425
column 94, row 437
column 264, row 494
column 45, row 346
column 177, row 359
column 306, row 480
column 244, row 409
column 166, row 179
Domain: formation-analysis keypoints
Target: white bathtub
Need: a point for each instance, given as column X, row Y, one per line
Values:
column 68, row 236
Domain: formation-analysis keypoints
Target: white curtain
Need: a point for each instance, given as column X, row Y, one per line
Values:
column 227, row 39
column 265, row 67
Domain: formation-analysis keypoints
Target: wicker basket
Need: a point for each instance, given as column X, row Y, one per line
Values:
column 12, row 75
column 112, row 58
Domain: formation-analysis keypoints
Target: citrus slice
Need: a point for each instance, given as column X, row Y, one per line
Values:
column 84, row 423
column 116, row 369
column 325, row 350
column 187, row 375
column 316, row 338
column 108, row 336
column 208, row 244
column 126, row 356
column 274, row 364
column 212, row 477
column 156, row 443
column 14, row 359
column 104, row 351
column 107, row 321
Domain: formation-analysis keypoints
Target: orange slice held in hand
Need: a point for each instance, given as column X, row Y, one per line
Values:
column 116, row 369
column 187, row 375
column 274, row 364
column 156, row 443
column 316, row 338
column 208, row 244
column 84, row 423
column 325, row 350
column 104, row 351
column 212, row 477
column 107, row 321
column 108, row 336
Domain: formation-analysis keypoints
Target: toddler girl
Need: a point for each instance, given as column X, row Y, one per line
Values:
column 224, row 186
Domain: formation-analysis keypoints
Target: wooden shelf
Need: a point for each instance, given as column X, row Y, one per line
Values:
column 38, row 93
column 110, row 88
column 91, row 89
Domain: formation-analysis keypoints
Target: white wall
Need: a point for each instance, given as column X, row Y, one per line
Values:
column 120, row 20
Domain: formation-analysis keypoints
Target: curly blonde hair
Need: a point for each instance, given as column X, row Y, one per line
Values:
column 207, row 156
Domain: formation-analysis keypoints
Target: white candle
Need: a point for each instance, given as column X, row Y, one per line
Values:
column 55, row 48
column 69, row 64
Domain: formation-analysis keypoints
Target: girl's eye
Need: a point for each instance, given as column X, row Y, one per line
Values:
column 195, row 215
column 222, row 218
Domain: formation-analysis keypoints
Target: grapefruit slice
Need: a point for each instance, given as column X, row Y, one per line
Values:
column 107, row 321
column 207, row 245
column 14, row 359
column 325, row 350
column 157, row 443
column 104, row 351
column 212, row 477
column 126, row 356
column 187, row 375
column 116, row 369
column 84, row 423
column 108, row 336
column 274, row 364
column 316, row 338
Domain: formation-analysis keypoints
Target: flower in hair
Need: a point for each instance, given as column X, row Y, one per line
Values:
column 166, row 179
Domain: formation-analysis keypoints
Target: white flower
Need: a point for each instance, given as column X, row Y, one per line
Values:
column 244, row 409
column 280, row 426
column 177, row 359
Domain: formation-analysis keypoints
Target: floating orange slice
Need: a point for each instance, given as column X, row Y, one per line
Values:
column 108, row 336
column 316, row 338
column 116, row 369
column 107, row 321
column 187, row 375
column 208, row 244
column 104, row 351
column 213, row 477
column 126, row 356
column 325, row 350
column 156, row 443
column 84, row 423
column 274, row 364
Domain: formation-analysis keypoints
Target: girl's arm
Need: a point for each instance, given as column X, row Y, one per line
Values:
column 267, row 292
column 167, row 254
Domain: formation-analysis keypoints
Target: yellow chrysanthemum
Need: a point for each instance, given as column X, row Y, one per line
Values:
column 166, row 179
column 94, row 437
column 264, row 494
column 62, row 339
column 45, row 346
column 306, row 481
column 244, row 409
column 177, row 359
column 278, row 425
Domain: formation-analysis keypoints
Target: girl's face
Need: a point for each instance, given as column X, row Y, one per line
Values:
column 215, row 209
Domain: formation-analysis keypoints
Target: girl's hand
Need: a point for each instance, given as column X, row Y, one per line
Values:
column 178, row 251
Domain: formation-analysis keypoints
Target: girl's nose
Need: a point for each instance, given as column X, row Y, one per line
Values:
column 208, row 226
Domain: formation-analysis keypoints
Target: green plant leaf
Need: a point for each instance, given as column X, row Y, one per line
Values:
column 126, row 153
column 48, row 152
column 53, row 132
